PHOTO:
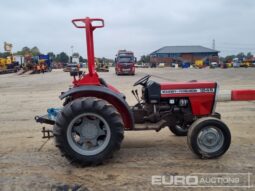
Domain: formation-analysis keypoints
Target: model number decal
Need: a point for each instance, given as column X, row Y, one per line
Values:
column 184, row 91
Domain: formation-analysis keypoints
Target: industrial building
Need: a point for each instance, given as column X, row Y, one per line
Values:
column 180, row 54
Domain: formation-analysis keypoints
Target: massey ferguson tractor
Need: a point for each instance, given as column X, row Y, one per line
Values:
column 90, row 126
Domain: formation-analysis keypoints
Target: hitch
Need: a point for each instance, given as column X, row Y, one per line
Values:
column 47, row 134
column 50, row 117
column 44, row 119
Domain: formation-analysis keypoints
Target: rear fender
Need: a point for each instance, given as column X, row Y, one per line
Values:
column 116, row 99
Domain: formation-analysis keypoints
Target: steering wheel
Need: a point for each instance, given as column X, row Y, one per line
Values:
column 142, row 81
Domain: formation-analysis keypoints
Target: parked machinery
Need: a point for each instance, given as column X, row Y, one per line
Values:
column 8, row 64
column 101, row 66
column 36, row 64
column 43, row 64
column 199, row 64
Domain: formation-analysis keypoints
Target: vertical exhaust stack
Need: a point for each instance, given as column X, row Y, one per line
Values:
column 236, row 95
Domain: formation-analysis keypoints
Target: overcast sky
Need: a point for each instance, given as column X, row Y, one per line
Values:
column 139, row 25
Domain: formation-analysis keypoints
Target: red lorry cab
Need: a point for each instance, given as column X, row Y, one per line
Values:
column 125, row 63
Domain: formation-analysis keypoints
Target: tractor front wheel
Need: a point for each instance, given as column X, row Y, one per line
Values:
column 209, row 137
column 88, row 131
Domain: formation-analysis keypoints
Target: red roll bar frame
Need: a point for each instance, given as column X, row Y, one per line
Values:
column 87, row 23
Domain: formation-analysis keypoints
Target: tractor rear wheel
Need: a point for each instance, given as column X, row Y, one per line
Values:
column 209, row 137
column 88, row 131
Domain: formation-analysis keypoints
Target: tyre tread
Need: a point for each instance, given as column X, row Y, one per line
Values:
column 73, row 108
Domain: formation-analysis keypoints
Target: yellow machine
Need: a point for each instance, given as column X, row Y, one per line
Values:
column 199, row 64
column 2, row 63
column 229, row 65
column 9, row 60
column 5, row 63
column 101, row 67
column 246, row 63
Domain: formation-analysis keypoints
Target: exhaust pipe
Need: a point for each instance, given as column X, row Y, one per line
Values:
column 236, row 95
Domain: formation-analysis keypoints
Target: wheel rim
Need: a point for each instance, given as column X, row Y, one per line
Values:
column 210, row 139
column 88, row 134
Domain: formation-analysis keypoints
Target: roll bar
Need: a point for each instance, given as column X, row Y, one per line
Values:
column 89, row 24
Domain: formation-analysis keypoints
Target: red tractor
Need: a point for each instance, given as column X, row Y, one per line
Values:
column 90, row 127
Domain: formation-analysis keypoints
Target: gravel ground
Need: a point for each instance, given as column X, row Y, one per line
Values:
column 27, row 164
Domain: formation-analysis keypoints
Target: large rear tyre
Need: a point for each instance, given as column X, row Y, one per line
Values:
column 209, row 138
column 88, row 131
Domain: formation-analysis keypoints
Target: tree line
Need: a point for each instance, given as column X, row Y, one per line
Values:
column 240, row 56
column 61, row 57
column 65, row 58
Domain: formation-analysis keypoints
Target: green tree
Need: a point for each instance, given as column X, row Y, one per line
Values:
column 4, row 54
column 229, row 58
column 240, row 56
column 222, row 59
column 52, row 56
column 35, row 51
column 25, row 50
column 62, row 57
column 145, row 59
column 249, row 55
column 82, row 60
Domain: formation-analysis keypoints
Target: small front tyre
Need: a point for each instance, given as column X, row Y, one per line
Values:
column 88, row 131
column 209, row 137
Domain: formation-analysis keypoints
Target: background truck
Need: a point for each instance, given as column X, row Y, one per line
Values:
column 125, row 62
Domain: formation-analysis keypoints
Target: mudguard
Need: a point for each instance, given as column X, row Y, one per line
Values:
column 102, row 92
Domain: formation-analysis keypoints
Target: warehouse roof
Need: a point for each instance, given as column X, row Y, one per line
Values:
column 184, row 49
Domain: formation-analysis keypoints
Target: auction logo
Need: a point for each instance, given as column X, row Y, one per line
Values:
column 237, row 180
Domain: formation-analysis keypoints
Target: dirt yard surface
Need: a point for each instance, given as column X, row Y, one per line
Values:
column 25, row 164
